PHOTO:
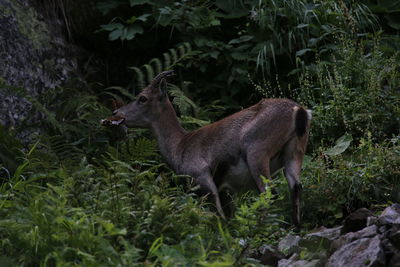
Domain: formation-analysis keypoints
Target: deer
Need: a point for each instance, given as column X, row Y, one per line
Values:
column 234, row 153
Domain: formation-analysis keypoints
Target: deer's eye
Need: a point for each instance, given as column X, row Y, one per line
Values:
column 142, row 99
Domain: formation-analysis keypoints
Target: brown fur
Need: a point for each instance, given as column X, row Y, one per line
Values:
column 241, row 147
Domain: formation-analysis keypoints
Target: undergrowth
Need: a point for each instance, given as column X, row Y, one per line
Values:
column 119, row 212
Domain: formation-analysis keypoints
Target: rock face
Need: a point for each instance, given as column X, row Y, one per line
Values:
column 356, row 220
column 391, row 215
column 369, row 231
column 371, row 241
column 289, row 245
column 269, row 255
column 33, row 56
column 361, row 252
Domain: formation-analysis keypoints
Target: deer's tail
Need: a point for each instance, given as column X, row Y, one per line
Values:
column 302, row 121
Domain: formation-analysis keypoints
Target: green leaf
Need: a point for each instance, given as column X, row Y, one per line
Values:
column 341, row 145
column 131, row 20
column 138, row 2
column 239, row 56
column 106, row 6
column 143, row 17
column 231, row 9
column 114, row 35
column 132, row 31
column 112, row 26
column 215, row 22
column 241, row 39
column 302, row 25
column 214, row 54
column 192, row 120
column 302, row 52
column 393, row 21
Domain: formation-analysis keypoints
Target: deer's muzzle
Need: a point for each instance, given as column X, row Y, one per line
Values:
column 112, row 121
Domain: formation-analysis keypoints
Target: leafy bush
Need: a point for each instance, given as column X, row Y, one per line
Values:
column 238, row 38
column 118, row 215
column 357, row 94
column 335, row 186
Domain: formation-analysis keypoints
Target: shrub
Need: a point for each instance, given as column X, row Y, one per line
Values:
column 367, row 177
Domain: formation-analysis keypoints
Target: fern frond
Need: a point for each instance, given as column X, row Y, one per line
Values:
column 149, row 72
column 186, row 105
column 172, row 58
column 167, row 59
column 181, row 50
column 135, row 150
column 157, row 65
column 191, row 120
column 187, row 46
column 174, row 55
column 63, row 149
column 116, row 91
column 139, row 77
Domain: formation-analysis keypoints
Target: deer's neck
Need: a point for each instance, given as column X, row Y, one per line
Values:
column 168, row 133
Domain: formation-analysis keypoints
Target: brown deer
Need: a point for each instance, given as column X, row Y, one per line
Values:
column 230, row 154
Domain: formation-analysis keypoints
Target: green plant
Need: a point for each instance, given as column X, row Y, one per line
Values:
column 357, row 94
column 237, row 38
column 336, row 185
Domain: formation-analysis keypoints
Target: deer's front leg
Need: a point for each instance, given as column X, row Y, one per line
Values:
column 208, row 187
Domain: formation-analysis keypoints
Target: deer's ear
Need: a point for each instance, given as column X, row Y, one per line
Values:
column 163, row 89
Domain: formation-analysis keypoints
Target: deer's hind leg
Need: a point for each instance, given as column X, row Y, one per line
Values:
column 258, row 162
column 292, row 161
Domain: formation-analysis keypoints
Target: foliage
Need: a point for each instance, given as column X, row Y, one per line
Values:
column 114, row 213
column 337, row 185
column 173, row 58
column 238, row 38
column 76, row 194
column 357, row 94
column 75, row 200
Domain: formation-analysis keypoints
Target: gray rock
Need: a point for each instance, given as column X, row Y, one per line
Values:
column 299, row 263
column 391, row 215
column 371, row 220
column 294, row 257
column 269, row 255
column 356, row 220
column 369, row 231
column 289, row 244
column 328, row 233
column 388, row 247
column 395, row 260
column 30, row 64
column 321, row 239
column 394, row 236
column 361, row 252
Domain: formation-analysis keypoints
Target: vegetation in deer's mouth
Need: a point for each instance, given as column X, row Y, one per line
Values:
column 112, row 121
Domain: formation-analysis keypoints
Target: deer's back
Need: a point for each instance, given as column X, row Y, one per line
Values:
column 225, row 142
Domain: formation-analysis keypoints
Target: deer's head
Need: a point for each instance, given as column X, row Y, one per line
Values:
column 146, row 107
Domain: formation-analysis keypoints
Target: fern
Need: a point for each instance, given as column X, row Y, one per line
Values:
column 139, row 77
column 167, row 59
column 186, row 105
column 116, row 91
column 174, row 55
column 135, row 150
column 157, row 64
column 173, row 58
column 63, row 149
column 149, row 71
